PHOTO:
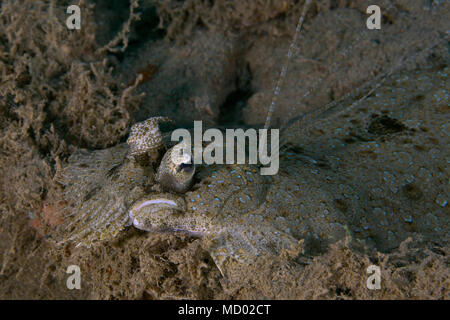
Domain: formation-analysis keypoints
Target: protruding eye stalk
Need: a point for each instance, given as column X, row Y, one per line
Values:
column 146, row 140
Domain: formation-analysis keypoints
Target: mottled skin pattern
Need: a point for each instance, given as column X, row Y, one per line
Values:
column 375, row 170
column 145, row 141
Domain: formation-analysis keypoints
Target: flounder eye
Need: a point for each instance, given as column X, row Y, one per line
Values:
column 186, row 167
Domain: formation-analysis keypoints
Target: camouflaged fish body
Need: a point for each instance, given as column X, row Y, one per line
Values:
column 367, row 172
column 375, row 172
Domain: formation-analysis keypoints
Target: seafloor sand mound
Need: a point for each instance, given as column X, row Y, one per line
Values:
column 372, row 167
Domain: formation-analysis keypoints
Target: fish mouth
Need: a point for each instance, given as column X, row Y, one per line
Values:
column 186, row 167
